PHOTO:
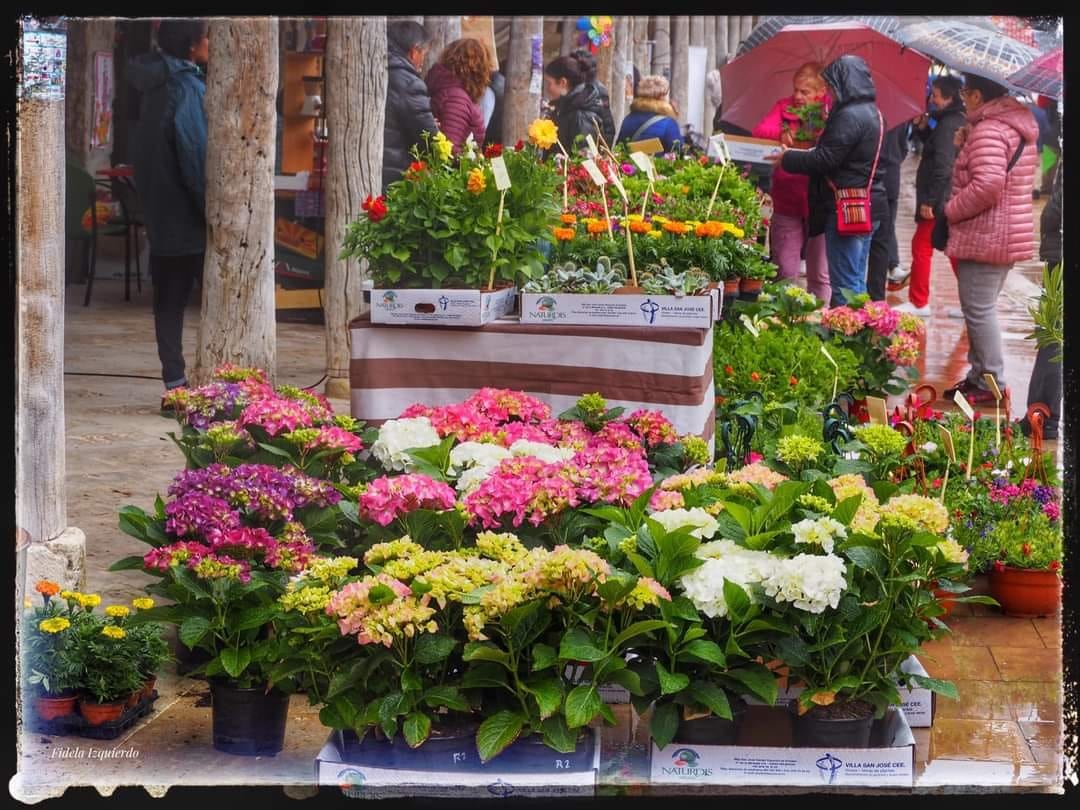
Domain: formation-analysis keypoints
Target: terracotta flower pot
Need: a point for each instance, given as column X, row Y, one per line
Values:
column 50, row 707
column 97, row 713
column 731, row 287
column 1026, row 593
column 133, row 699
column 946, row 600
column 628, row 289
column 750, row 285
column 148, row 687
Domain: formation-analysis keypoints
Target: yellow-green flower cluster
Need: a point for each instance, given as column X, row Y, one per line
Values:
column 696, row 449
column 302, row 436
column 331, row 570
column 814, row 504
column 592, row 405
column 57, row 624
column 117, row 611
column 460, row 575
column 310, row 599
column 869, row 512
column 927, row 513
column 502, row 598
column 142, row 603
column 953, row 551
column 567, row 570
column 798, row 451
column 392, row 550
column 209, row 568
column 503, row 547
column 222, row 436
column 345, row 422
column 628, row 545
column 646, row 593
column 881, row 441
column 401, row 618
column 406, row 568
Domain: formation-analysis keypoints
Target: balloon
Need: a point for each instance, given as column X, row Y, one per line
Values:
column 583, row 24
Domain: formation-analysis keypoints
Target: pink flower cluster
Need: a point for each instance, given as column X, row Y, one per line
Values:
column 230, row 553
column 617, row 434
column 276, row 415
column 336, row 438
column 606, row 473
column 351, row 603
column 903, row 349
column 653, row 427
column 844, row 319
column 664, row 499
column 881, row 317
column 522, row 487
column 486, row 414
column 388, row 498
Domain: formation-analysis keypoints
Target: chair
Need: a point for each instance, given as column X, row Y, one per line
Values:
column 130, row 217
column 82, row 192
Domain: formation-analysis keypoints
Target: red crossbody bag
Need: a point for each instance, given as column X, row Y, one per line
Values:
column 853, row 204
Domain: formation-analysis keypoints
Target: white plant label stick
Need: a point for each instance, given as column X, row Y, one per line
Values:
column 502, row 176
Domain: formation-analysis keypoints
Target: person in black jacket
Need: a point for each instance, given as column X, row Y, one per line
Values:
column 845, row 155
column 932, row 184
column 607, row 120
column 408, row 105
column 883, row 248
column 577, row 107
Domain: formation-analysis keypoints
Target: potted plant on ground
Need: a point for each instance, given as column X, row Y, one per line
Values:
column 153, row 649
column 108, row 659
column 47, row 662
column 1025, row 578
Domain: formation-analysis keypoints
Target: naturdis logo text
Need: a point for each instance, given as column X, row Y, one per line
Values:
column 389, row 301
column 351, row 782
column 684, row 762
column 546, row 310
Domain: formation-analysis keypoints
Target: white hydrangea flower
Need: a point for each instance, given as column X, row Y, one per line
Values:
column 811, row 582
column 672, row 519
column 472, row 477
column 549, row 454
column 929, row 447
column 704, row 586
column 820, row 532
column 477, row 454
column 399, row 435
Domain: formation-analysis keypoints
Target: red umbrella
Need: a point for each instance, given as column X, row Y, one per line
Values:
column 752, row 83
column 1042, row 76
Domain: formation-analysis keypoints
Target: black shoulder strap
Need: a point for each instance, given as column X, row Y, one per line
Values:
column 1015, row 157
column 654, row 120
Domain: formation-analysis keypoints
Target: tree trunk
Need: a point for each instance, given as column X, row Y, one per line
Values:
column 697, row 39
column 722, row 52
column 86, row 38
column 524, row 78
column 710, row 65
column 356, row 112
column 733, row 36
column 661, row 57
column 641, row 46
column 568, row 37
column 238, row 319
column 623, row 48
column 680, row 65
column 442, row 31
column 746, row 25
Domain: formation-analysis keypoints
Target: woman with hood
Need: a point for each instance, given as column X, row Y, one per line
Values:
column 456, row 83
column 651, row 115
column 990, row 220
column 845, row 156
column 607, row 120
column 791, row 212
column 576, row 105
column 170, row 173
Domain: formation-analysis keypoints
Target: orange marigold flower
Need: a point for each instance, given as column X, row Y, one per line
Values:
column 677, row 228
column 755, row 376
column 568, row 219
column 476, row 182
column 793, row 380
column 599, row 226
column 564, row 234
column 639, row 227
column 47, row 588
column 709, row 229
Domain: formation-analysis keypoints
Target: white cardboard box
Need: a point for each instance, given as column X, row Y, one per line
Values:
column 547, row 778
column 443, row 307
column 918, row 704
column 890, row 765
column 566, row 309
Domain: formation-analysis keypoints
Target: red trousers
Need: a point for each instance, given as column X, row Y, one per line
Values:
column 922, row 252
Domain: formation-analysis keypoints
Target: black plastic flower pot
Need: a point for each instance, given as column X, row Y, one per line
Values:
column 838, row 728
column 712, row 730
column 249, row 722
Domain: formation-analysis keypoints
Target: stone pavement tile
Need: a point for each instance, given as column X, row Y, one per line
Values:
column 1036, row 701
column 1049, row 629
column 994, row 631
column 942, row 660
column 983, row 740
column 979, row 700
column 1043, row 735
column 1027, row 664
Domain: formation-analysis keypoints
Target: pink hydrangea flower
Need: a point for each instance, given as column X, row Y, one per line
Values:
column 617, row 434
column 522, row 488
column 277, row 415
column 502, row 405
column 903, row 349
column 653, row 427
column 664, row 499
column 844, row 319
column 336, row 438
column 389, row 498
column 881, row 317
column 610, row 474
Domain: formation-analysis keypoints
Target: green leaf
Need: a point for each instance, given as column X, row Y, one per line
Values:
column 526, row 623
column 482, row 675
column 844, row 512
column 543, row 656
column 448, row 696
column 680, row 607
column 134, row 563
column 582, row 705
column 410, row 681
column 757, row 679
column 349, row 510
column 235, row 661
column 628, row 680
column 497, row 733
column 737, row 600
column 481, row 651
column 664, row 724
column 416, row 729
column 943, row 688
column 712, row 697
column 867, row 558
column 671, row 682
column 276, row 451
column 192, row 630
column 381, row 595
column 705, row 650
column 742, row 516
column 431, row 648
column 641, row 565
column 256, row 617
column 578, row 645
column 558, row 735
column 548, row 694
column 884, row 490
column 637, row 629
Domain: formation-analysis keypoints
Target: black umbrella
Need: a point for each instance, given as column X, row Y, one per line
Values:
column 770, row 26
column 968, row 48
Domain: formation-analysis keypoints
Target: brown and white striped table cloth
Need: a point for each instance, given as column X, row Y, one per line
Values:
column 667, row 369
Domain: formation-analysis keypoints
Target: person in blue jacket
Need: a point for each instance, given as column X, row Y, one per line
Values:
column 651, row 115
column 170, row 176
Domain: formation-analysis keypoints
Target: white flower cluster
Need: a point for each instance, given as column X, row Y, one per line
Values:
column 472, row 462
column 400, row 435
column 811, row 582
column 724, row 560
column 547, row 453
column 704, row 524
column 821, row 532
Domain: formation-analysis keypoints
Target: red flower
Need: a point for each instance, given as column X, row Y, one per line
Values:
column 999, row 566
column 519, row 146
column 729, row 370
column 793, row 380
column 376, row 207
column 988, row 465
column 1026, row 549
column 936, row 484
column 704, row 160
column 415, row 168
column 493, row 151
column 1055, row 565
column 721, row 400
column 755, row 376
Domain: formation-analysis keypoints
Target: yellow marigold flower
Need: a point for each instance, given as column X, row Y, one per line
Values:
column 142, row 603
column 117, row 611
column 113, row 632
column 57, row 624
column 659, row 220
column 70, row 596
column 655, row 234
column 685, row 189
column 444, row 147
column 543, row 133
column 476, row 182
column 635, row 218
column 600, row 226
column 564, row 234
column 738, row 233
column 568, row 219
column 89, row 600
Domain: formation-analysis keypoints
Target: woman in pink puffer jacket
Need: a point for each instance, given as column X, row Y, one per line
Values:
column 990, row 220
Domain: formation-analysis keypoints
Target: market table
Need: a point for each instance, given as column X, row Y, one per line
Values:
column 669, row 369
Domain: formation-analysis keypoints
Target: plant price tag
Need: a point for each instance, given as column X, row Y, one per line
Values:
column 879, row 411
column 502, row 177
column 644, row 162
column 749, row 326
column 594, row 152
column 990, row 381
column 594, row 171
column 964, row 405
column 615, row 181
column 946, row 439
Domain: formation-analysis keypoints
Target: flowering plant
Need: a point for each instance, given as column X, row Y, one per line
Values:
column 441, row 226
column 47, row 659
column 107, row 656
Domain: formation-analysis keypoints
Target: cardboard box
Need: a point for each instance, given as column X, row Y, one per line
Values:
column 441, row 307
column 764, row 756
column 743, row 149
column 566, row 309
column 378, row 770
